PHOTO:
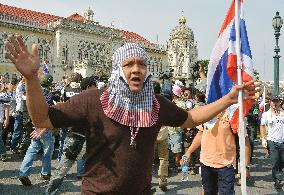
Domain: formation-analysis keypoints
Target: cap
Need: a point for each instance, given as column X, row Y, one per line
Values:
column 179, row 83
column 275, row 97
column 177, row 90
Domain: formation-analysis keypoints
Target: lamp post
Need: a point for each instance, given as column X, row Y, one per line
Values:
column 277, row 24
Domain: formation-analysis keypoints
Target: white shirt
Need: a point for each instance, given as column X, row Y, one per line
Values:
column 20, row 90
column 189, row 104
column 275, row 126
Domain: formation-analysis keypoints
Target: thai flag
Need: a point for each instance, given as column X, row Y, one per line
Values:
column 262, row 104
column 222, row 68
column 262, row 100
column 45, row 67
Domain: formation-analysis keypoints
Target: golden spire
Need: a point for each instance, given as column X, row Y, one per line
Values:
column 182, row 19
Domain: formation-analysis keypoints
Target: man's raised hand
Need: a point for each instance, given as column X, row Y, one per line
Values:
column 26, row 63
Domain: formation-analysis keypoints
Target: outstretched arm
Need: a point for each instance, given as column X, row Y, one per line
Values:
column 6, row 114
column 201, row 72
column 203, row 114
column 28, row 64
column 196, row 143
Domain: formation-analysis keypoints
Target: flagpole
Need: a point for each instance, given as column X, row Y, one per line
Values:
column 264, row 96
column 240, row 102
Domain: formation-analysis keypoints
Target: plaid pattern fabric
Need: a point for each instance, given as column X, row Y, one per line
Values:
column 120, row 103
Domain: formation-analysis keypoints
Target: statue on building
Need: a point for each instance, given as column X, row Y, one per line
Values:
column 182, row 51
column 89, row 15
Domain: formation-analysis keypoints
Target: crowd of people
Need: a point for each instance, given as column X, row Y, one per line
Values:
column 112, row 129
column 19, row 135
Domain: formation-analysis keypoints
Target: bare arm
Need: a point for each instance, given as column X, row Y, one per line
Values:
column 6, row 113
column 36, row 104
column 196, row 143
column 203, row 114
column 27, row 63
column 262, row 131
column 201, row 72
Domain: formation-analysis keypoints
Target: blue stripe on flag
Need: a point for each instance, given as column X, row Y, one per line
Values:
column 221, row 83
column 245, row 48
column 233, row 33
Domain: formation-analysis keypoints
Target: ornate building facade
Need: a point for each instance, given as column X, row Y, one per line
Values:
column 72, row 44
column 182, row 51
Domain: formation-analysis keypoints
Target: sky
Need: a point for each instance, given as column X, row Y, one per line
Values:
column 154, row 20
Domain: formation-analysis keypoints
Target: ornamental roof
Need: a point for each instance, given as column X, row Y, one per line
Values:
column 76, row 17
column 182, row 19
column 44, row 19
column 131, row 36
column 182, row 31
column 28, row 14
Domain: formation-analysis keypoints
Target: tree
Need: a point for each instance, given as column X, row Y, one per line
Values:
column 256, row 74
column 195, row 69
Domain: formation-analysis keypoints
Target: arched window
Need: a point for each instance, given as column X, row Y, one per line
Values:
column 40, row 53
column 65, row 53
column 86, row 55
column 80, row 56
column 1, row 51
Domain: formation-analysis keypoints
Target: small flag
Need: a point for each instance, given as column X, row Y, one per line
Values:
column 45, row 67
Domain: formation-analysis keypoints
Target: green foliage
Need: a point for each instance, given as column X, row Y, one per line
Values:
column 102, row 74
column 195, row 72
column 256, row 74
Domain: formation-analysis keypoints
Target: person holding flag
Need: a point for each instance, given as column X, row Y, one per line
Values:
column 230, row 64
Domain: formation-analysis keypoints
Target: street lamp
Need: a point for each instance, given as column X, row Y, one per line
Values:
column 277, row 24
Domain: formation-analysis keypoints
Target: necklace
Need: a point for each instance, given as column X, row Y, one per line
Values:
column 134, row 131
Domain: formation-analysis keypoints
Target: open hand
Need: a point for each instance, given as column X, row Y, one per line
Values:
column 249, row 90
column 26, row 63
column 6, row 123
column 187, row 158
column 36, row 134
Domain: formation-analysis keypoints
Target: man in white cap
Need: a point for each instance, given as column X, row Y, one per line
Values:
column 273, row 119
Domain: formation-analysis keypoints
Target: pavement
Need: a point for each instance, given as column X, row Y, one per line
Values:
column 260, row 184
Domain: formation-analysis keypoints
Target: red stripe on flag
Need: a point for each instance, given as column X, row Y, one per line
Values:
column 235, row 118
column 232, row 68
column 229, row 17
column 246, row 77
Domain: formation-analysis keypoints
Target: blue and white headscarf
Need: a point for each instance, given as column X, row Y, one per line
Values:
column 120, row 103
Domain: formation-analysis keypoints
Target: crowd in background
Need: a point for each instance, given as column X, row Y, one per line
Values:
column 17, row 132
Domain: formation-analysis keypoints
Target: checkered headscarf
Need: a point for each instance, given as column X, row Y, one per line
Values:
column 120, row 103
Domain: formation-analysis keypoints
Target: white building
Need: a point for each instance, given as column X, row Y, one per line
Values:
column 182, row 50
column 75, row 43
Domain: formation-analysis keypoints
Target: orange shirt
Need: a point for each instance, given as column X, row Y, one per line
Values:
column 218, row 147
